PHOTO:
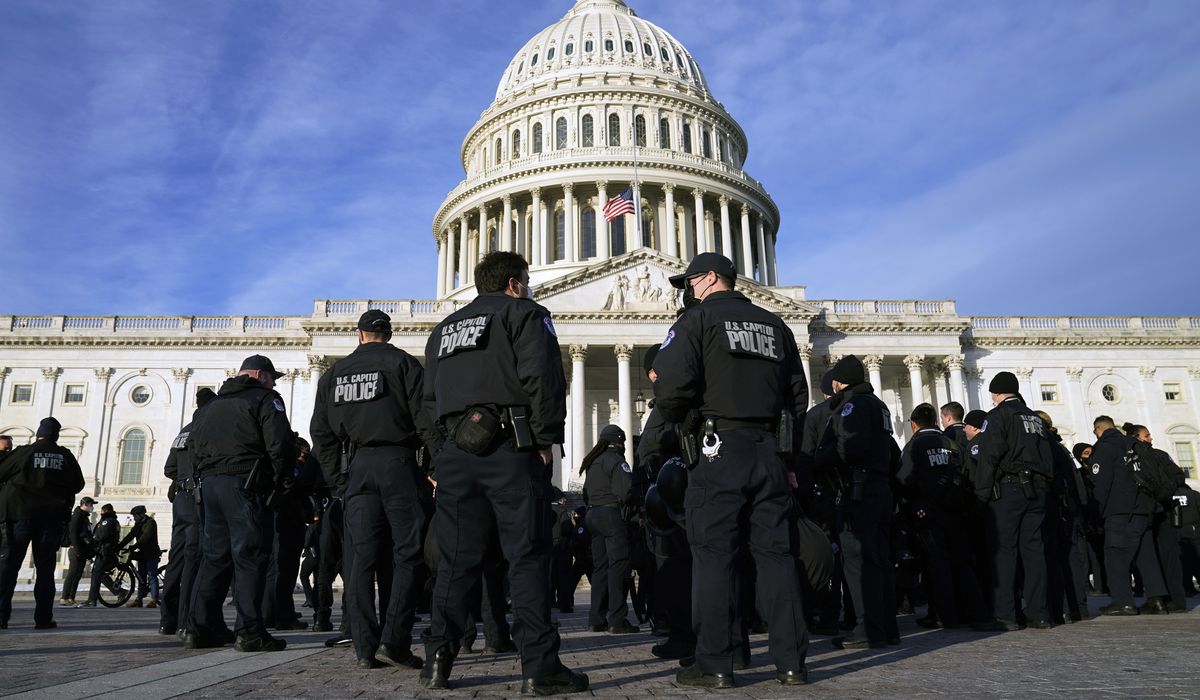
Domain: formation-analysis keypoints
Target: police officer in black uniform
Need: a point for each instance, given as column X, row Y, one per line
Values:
column 937, row 497
column 858, row 448
column 731, row 373
column 953, row 426
column 183, row 558
column 1015, row 449
column 367, row 409
column 979, row 514
column 1126, row 510
column 495, row 387
column 38, row 483
column 242, row 449
column 606, row 488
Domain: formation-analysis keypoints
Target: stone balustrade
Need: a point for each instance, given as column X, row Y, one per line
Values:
column 412, row 309
column 888, row 307
column 92, row 325
column 1084, row 323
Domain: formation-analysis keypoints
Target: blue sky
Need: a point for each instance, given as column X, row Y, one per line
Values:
column 249, row 156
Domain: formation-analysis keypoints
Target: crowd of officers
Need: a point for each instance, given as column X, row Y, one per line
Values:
column 432, row 482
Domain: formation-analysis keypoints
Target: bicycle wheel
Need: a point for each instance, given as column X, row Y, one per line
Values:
column 116, row 588
column 162, row 579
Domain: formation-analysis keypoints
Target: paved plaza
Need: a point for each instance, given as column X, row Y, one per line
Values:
column 100, row 653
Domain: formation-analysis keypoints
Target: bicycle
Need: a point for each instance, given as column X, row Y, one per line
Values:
column 118, row 583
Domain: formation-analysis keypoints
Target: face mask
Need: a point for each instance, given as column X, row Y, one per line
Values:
column 689, row 296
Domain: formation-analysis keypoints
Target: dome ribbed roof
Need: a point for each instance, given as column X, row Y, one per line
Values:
column 618, row 40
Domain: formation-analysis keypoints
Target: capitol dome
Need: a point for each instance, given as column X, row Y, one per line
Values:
column 599, row 104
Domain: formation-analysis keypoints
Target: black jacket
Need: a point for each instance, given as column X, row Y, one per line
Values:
column 370, row 398
column 179, row 465
column 815, row 423
column 730, row 359
column 144, row 535
column 80, row 530
column 39, row 479
column 658, row 443
column 106, row 535
column 981, row 479
column 957, row 433
column 859, row 434
column 245, row 425
column 498, row 351
column 929, row 465
column 1013, row 439
column 1115, row 490
column 609, row 481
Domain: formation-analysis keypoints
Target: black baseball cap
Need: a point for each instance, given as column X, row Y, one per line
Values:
column 262, row 363
column 706, row 262
column 375, row 321
column 88, row 500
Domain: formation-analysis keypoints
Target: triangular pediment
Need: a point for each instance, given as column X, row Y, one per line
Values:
column 636, row 283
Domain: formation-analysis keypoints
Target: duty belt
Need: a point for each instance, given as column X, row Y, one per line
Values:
column 737, row 424
column 1016, row 479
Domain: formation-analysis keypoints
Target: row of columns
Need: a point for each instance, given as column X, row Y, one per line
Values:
column 460, row 246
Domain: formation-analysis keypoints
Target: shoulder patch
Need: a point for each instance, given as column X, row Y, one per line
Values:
column 1095, row 468
column 667, row 340
column 984, row 428
column 975, row 450
column 626, row 468
column 580, row 531
column 278, row 403
column 847, row 409
column 550, row 327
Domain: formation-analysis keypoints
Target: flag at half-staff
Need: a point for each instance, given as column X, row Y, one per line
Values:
column 619, row 206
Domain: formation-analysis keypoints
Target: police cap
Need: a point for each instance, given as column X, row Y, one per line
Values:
column 975, row 419
column 261, row 363
column 706, row 262
column 375, row 321
column 612, row 433
column 87, row 500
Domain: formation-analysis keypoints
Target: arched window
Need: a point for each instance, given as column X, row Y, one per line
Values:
column 666, row 57
column 664, row 133
column 706, row 143
column 639, row 130
column 560, row 133
column 534, row 61
column 569, row 49
column 550, row 54
column 589, row 233
column 520, row 67
column 499, row 151
column 560, row 234
column 614, row 129
column 616, row 236
column 687, row 137
column 647, row 228
column 133, row 457
column 589, row 138
column 493, row 238
column 609, row 45
column 516, row 141
column 588, row 46
column 646, row 49
column 537, row 138
column 628, row 46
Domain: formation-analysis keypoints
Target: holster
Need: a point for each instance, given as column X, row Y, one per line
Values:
column 689, row 438
column 785, row 433
column 1026, row 478
column 518, row 418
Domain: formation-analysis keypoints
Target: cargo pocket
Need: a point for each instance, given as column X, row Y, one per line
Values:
column 693, row 499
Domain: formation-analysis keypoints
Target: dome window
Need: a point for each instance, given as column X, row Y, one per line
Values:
column 537, row 138
column 521, row 67
column 533, row 62
column 499, row 151
column 550, row 54
column 639, row 130
column 678, row 59
column 664, row 133
column 560, row 133
column 516, row 144
column 647, row 50
column 609, row 45
column 666, row 57
column 570, row 49
column 588, row 46
column 706, row 143
column 614, row 130
column 589, row 137
column 628, row 46
column 686, row 137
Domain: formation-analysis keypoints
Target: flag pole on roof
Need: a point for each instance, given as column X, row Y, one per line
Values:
column 637, row 191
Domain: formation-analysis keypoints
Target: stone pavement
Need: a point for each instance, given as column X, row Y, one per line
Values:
column 99, row 653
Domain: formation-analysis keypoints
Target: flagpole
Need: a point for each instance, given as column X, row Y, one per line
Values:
column 637, row 190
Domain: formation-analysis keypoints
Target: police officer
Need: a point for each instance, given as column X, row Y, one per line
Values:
column 38, row 483
column 242, row 448
column 953, row 426
column 606, row 488
column 367, row 409
column 979, row 514
column 1066, row 555
column 183, row 557
column 80, row 536
column 731, row 373
column 1015, row 449
column 106, row 537
column 494, row 385
column 1126, row 510
column 937, row 497
column 859, row 448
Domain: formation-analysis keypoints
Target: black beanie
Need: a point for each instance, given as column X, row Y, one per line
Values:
column 848, row 370
column 48, row 429
column 827, row 383
column 975, row 419
column 648, row 358
column 204, row 396
column 1004, row 383
column 612, row 434
column 1078, row 449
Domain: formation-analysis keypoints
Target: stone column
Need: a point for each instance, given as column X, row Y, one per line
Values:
column 536, row 246
column 1146, row 402
column 1024, row 377
column 97, row 415
column 672, row 243
column 726, row 235
column 701, row 239
column 874, row 365
column 603, row 248
column 481, row 243
column 625, row 396
column 463, row 244
column 762, row 252
column 472, row 256
column 506, row 232
column 805, row 350
column 958, row 384
column 103, row 376
column 1193, row 395
column 569, row 247
column 938, row 384
column 579, row 446
column 1074, row 395
column 975, row 387
column 3, row 375
column 317, row 364
column 772, row 270
column 914, row 364
column 179, row 389
column 441, row 271
column 45, row 397
column 747, row 247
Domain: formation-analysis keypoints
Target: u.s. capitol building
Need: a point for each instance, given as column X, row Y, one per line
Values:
column 575, row 108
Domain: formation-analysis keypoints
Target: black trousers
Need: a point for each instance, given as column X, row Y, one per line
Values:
column 183, row 560
column 513, row 488
column 384, row 512
column 279, row 607
column 308, row 576
column 673, row 585
column 489, row 604
column 865, row 540
column 1018, row 531
column 743, row 496
column 74, row 573
column 1066, row 563
column 236, row 543
column 1127, row 538
column 44, row 534
column 952, row 585
column 330, row 564
column 1170, row 557
column 610, row 566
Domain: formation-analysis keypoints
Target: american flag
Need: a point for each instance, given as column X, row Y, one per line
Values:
column 620, row 205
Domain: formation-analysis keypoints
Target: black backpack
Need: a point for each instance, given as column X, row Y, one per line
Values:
column 1153, row 471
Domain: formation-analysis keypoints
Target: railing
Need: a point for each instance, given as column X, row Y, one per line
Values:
column 150, row 324
column 396, row 308
column 1085, row 323
column 891, row 306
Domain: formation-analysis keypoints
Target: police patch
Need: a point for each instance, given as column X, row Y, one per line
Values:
column 580, row 531
column 550, row 327
column 754, row 339
column 667, row 341
column 358, row 387
column 279, row 405
column 1095, row 468
column 847, row 409
column 626, row 468
column 984, row 428
column 974, row 450
column 464, row 335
